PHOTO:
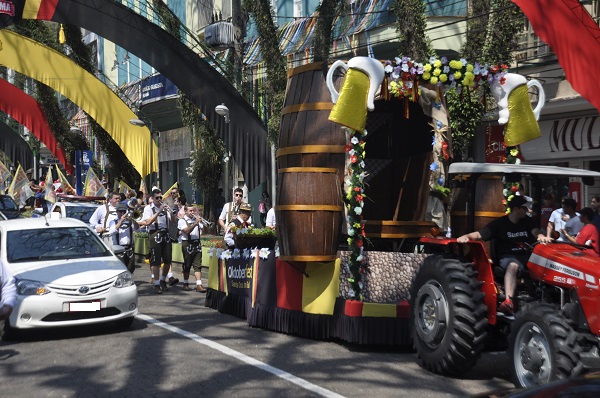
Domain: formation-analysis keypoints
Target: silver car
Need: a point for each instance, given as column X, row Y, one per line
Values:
column 64, row 276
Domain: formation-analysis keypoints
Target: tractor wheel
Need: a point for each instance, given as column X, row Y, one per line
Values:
column 448, row 315
column 542, row 346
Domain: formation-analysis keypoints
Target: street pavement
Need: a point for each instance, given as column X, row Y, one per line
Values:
column 178, row 347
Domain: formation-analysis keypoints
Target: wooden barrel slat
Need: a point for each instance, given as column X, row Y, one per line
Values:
column 309, row 213
column 305, row 122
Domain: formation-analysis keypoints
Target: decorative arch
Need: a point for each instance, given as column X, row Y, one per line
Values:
column 27, row 111
column 15, row 146
column 191, row 74
column 85, row 90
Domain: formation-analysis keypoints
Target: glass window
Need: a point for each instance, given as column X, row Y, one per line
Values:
column 81, row 213
column 53, row 243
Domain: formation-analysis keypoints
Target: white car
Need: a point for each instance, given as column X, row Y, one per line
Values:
column 65, row 276
column 79, row 210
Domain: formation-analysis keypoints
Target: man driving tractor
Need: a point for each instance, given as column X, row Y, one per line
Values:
column 509, row 233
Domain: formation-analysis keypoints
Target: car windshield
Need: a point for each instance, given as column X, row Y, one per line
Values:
column 7, row 203
column 53, row 243
column 81, row 213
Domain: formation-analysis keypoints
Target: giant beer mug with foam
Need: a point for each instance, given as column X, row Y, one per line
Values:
column 514, row 108
column 363, row 77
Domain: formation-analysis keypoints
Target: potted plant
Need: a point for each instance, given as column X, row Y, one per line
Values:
column 251, row 237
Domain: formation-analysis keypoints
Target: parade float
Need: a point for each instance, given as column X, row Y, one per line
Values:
column 349, row 225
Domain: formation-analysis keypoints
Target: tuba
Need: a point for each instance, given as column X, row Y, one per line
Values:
column 136, row 215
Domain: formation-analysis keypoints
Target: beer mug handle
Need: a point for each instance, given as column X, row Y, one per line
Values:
column 541, row 97
column 329, row 79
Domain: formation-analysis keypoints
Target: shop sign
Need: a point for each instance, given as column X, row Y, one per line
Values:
column 565, row 139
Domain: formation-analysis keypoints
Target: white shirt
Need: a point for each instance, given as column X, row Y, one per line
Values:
column 186, row 222
column 97, row 219
column 161, row 219
column 125, row 237
column 270, row 217
column 225, row 211
column 8, row 290
column 557, row 219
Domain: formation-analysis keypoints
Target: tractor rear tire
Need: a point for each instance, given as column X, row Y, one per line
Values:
column 448, row 315
column 542, row 346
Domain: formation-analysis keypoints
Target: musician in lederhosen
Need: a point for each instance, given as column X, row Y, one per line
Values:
column 230, row 210
column 103, row 215
column 191, row 226
column 157, row 217
column 243, row 220
column 122, row 230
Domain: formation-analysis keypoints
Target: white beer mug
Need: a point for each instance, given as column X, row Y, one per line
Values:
column 363, row 77
column 514, row 108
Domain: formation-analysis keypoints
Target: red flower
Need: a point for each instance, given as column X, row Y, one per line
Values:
column 359, row 243
column 353, row 158
column 348, row 148
column 502, row 80
column 359, row 198
column 494, row 69
column 514, row 188
column 357, row 189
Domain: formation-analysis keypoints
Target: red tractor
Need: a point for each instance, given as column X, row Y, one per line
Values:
column 456, row 293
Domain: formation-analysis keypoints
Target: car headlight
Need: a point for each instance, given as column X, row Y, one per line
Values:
column 26, row 287
column 124, row 279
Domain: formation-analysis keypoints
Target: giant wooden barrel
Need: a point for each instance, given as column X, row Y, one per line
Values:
column 473, row 211
column 306, row 137
column 309, row 213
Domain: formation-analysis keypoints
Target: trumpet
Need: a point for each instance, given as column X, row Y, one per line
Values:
column 203, row 221
column 136, row 215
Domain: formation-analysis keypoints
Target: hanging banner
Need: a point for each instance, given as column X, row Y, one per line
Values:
column 83, row 161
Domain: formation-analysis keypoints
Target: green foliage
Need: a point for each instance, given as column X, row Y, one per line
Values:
column 206, row 166
column 476, row 29
column 410, row 25
column 465, row 110
column 274, row 92
column 327, row 11
column 506, row 25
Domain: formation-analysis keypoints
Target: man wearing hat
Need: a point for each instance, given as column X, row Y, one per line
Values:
column 509, row 233
column 242, row 221
column 121, row 228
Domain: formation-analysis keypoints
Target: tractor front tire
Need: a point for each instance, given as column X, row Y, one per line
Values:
column 542, row 346
column 448, row 315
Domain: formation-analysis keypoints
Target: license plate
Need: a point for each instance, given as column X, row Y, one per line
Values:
column 88, row 306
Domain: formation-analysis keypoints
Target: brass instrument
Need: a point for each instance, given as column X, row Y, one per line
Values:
column 136, row 215
column 203, row 221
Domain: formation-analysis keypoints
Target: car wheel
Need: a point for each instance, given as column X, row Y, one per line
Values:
column 542, row 346
column 8, row 332
column 124, row 323
column 448, row 315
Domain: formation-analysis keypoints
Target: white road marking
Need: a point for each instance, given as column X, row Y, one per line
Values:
column 243, row 357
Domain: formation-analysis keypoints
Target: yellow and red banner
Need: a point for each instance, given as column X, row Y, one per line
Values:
column 4, row 173
column 18, row 188
column 66, row 187
column 50, row 195
column 93, row 185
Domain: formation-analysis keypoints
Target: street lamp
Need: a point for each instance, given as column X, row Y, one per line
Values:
column 223, row 110
column 141, row 123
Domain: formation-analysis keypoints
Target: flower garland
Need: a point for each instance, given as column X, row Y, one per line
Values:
column 510, row 187
column 405, row 73
column 355, row 197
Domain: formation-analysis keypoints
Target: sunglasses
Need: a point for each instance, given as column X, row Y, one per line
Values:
column 158, row 197
column 237, row 194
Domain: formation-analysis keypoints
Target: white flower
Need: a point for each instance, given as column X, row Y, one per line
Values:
column 350, row 231
column 226, row 255
column 354, row 140
column 246, row 253
column 505, row 192
column 219, row 251
column 211, row 252
column 364, row 133
column 253, row 252
column 276, row 251
column 388, row 69
column 358, row 210
column 517, row 161
column 359, row 258
column 264, row 253
column 236, row 253
column 362, row 164
column 351, row 152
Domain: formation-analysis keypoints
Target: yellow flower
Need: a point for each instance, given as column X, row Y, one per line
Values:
column 433, row 80
column 426, row 75
column 456, row 64
column 443, row 77
column 514, row 152
column 437, row 72
column 469, row 68
column 427, row 67
column 437, row 63
column 457, row 75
